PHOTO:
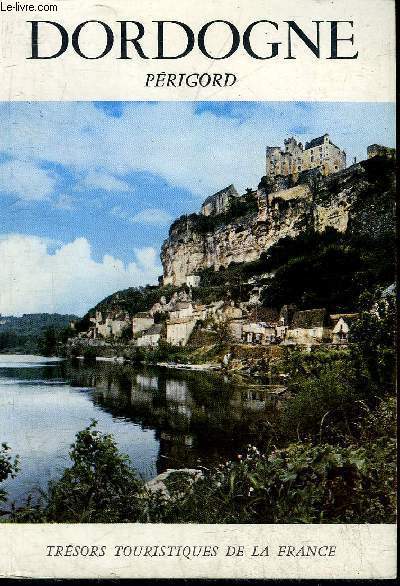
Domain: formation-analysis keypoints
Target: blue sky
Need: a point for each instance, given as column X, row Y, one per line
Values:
column 88, row 190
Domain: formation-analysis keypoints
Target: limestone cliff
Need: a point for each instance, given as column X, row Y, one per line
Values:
column 347, row 200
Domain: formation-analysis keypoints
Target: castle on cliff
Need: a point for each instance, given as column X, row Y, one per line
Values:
column 319, row 153
column 232, row 229
column 239, row 228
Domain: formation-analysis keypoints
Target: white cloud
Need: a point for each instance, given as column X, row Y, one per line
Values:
column 105, row 181
column 149, row 216
column 146, row 257
column 66, row 281
column 25, row 180
column 153, row 216
column 201, row 153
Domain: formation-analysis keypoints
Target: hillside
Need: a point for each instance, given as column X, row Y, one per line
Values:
column 326, row 242
column 23, row 334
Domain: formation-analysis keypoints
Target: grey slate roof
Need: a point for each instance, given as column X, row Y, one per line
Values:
column 181, row 305
column 155, row 329
column 310, row 318
column 391, row 290
column 264, row 314
column 315, row 142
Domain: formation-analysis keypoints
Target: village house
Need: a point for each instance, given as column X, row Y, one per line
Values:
column 181, row 323
column 118, row 326
column 236, row 329
column 285, row 317
column 183, row 317
column 201, row 311
column 232, row 316
column 259, row 327
column 309, row 327
column 150, row 337
column 179, row 331
column 258, row 333
column 181, row 310
column 141, row 322
column 110, row 326
column 341, row 325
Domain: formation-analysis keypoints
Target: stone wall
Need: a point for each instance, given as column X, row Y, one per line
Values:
column 319, row 153
column 219, row 202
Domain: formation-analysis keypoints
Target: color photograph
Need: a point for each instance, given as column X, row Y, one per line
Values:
column 197, row 312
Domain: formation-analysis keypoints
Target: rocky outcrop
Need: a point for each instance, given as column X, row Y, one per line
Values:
column 338, row 201
column 173, row 481
column 187, row 250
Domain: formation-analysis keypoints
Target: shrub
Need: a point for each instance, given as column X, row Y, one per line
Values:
column 89, row 354
column 372, row 349
column 321, row 399
column 302, row 483
column 99, row 487
column 9, row 466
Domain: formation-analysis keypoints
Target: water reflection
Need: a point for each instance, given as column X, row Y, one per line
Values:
column 197, row 417
column 161, row 418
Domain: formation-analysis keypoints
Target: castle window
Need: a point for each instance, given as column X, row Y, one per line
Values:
column 312, row 158
column 311, row 151
column 320, row 148
column 299, row 168
column 336, row 167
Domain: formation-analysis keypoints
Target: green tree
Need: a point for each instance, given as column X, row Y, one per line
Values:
column 99, row 487
column 8, row 468
column 48, row 342
column 373, row 341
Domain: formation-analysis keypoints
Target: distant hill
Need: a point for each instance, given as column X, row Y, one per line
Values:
column 23, row 334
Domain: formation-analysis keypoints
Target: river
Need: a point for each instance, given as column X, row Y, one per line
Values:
column 161, row 418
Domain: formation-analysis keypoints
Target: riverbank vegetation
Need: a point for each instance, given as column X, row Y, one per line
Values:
column 350, row 481
column 329, row 455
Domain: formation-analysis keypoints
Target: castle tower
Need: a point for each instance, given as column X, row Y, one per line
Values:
column 319, row 153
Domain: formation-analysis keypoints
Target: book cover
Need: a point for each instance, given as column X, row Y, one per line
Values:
column 197, row 289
